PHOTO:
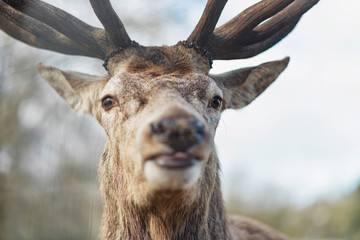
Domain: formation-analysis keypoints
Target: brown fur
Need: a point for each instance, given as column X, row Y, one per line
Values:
column 158, row 61
column 243, row 228
column 147, row 86
column 167, row 215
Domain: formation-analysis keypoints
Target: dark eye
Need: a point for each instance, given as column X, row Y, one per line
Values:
column 215, row 102
column 108, row 102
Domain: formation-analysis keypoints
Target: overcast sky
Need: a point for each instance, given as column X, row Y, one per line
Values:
column 302, row 136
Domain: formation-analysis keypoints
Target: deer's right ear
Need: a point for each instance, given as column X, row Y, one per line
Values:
column 80, row 91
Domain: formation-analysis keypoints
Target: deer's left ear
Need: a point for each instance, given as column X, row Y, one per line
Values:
column 240, row 87
column 80, row 91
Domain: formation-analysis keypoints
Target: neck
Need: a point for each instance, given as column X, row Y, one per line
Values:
column 167, row 215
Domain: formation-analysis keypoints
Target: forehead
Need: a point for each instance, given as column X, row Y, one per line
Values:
column 193, row 84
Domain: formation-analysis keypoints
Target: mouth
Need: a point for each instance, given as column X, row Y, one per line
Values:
column 172, row 171
column 175, row 160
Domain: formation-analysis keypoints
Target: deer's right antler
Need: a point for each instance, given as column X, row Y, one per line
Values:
column 114, row 28
column 42, row 25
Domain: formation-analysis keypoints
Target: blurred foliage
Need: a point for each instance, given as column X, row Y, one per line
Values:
column 321, row 220
column 47, row 190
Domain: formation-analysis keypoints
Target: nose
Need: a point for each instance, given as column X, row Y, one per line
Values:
column 179, row 134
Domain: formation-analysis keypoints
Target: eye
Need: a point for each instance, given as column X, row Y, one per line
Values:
column 108, row 102
column 215, row 102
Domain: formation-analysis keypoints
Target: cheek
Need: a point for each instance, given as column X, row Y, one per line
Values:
column 111, row 123
column 121, row 136
column 213, row 120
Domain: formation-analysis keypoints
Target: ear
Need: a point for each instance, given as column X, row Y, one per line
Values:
column 79, row 90
column 240, row 87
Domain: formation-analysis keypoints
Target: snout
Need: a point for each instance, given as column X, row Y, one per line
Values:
column 179, row 134
column 174, row 147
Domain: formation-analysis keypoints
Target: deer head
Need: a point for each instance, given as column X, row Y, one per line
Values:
column 159, row 106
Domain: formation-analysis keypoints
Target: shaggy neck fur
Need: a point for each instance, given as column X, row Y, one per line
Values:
column 168, row 215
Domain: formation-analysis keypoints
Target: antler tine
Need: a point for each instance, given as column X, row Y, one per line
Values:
column 251, row 50
column 244, row 22
column 113, row 26
column 42, row 25
column 36, row 33
column 63, row 22
column 207, row 22
column 251, row 38
column 281, row 20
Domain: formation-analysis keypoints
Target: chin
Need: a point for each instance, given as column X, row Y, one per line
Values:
column 172, row 172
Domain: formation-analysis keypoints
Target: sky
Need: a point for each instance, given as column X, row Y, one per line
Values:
column 301, row 137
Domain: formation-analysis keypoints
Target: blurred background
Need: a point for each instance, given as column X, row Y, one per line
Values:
column 291, row 159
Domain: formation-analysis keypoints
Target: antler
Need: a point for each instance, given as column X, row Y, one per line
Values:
column 113, row 26
column 44, row 26
column 251, row 32
column 207, row 22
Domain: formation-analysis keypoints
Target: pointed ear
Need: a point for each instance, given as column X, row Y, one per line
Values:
column 79, row 90
column 240, row 87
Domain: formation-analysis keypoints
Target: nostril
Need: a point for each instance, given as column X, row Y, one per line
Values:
column 160, row 127
column 187, row 133
column 157, row 128
column 199, row 127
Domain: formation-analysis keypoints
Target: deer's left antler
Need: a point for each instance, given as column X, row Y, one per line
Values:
column 251, row 32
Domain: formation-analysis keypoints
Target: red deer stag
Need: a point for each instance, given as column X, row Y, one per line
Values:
column 160, row 107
